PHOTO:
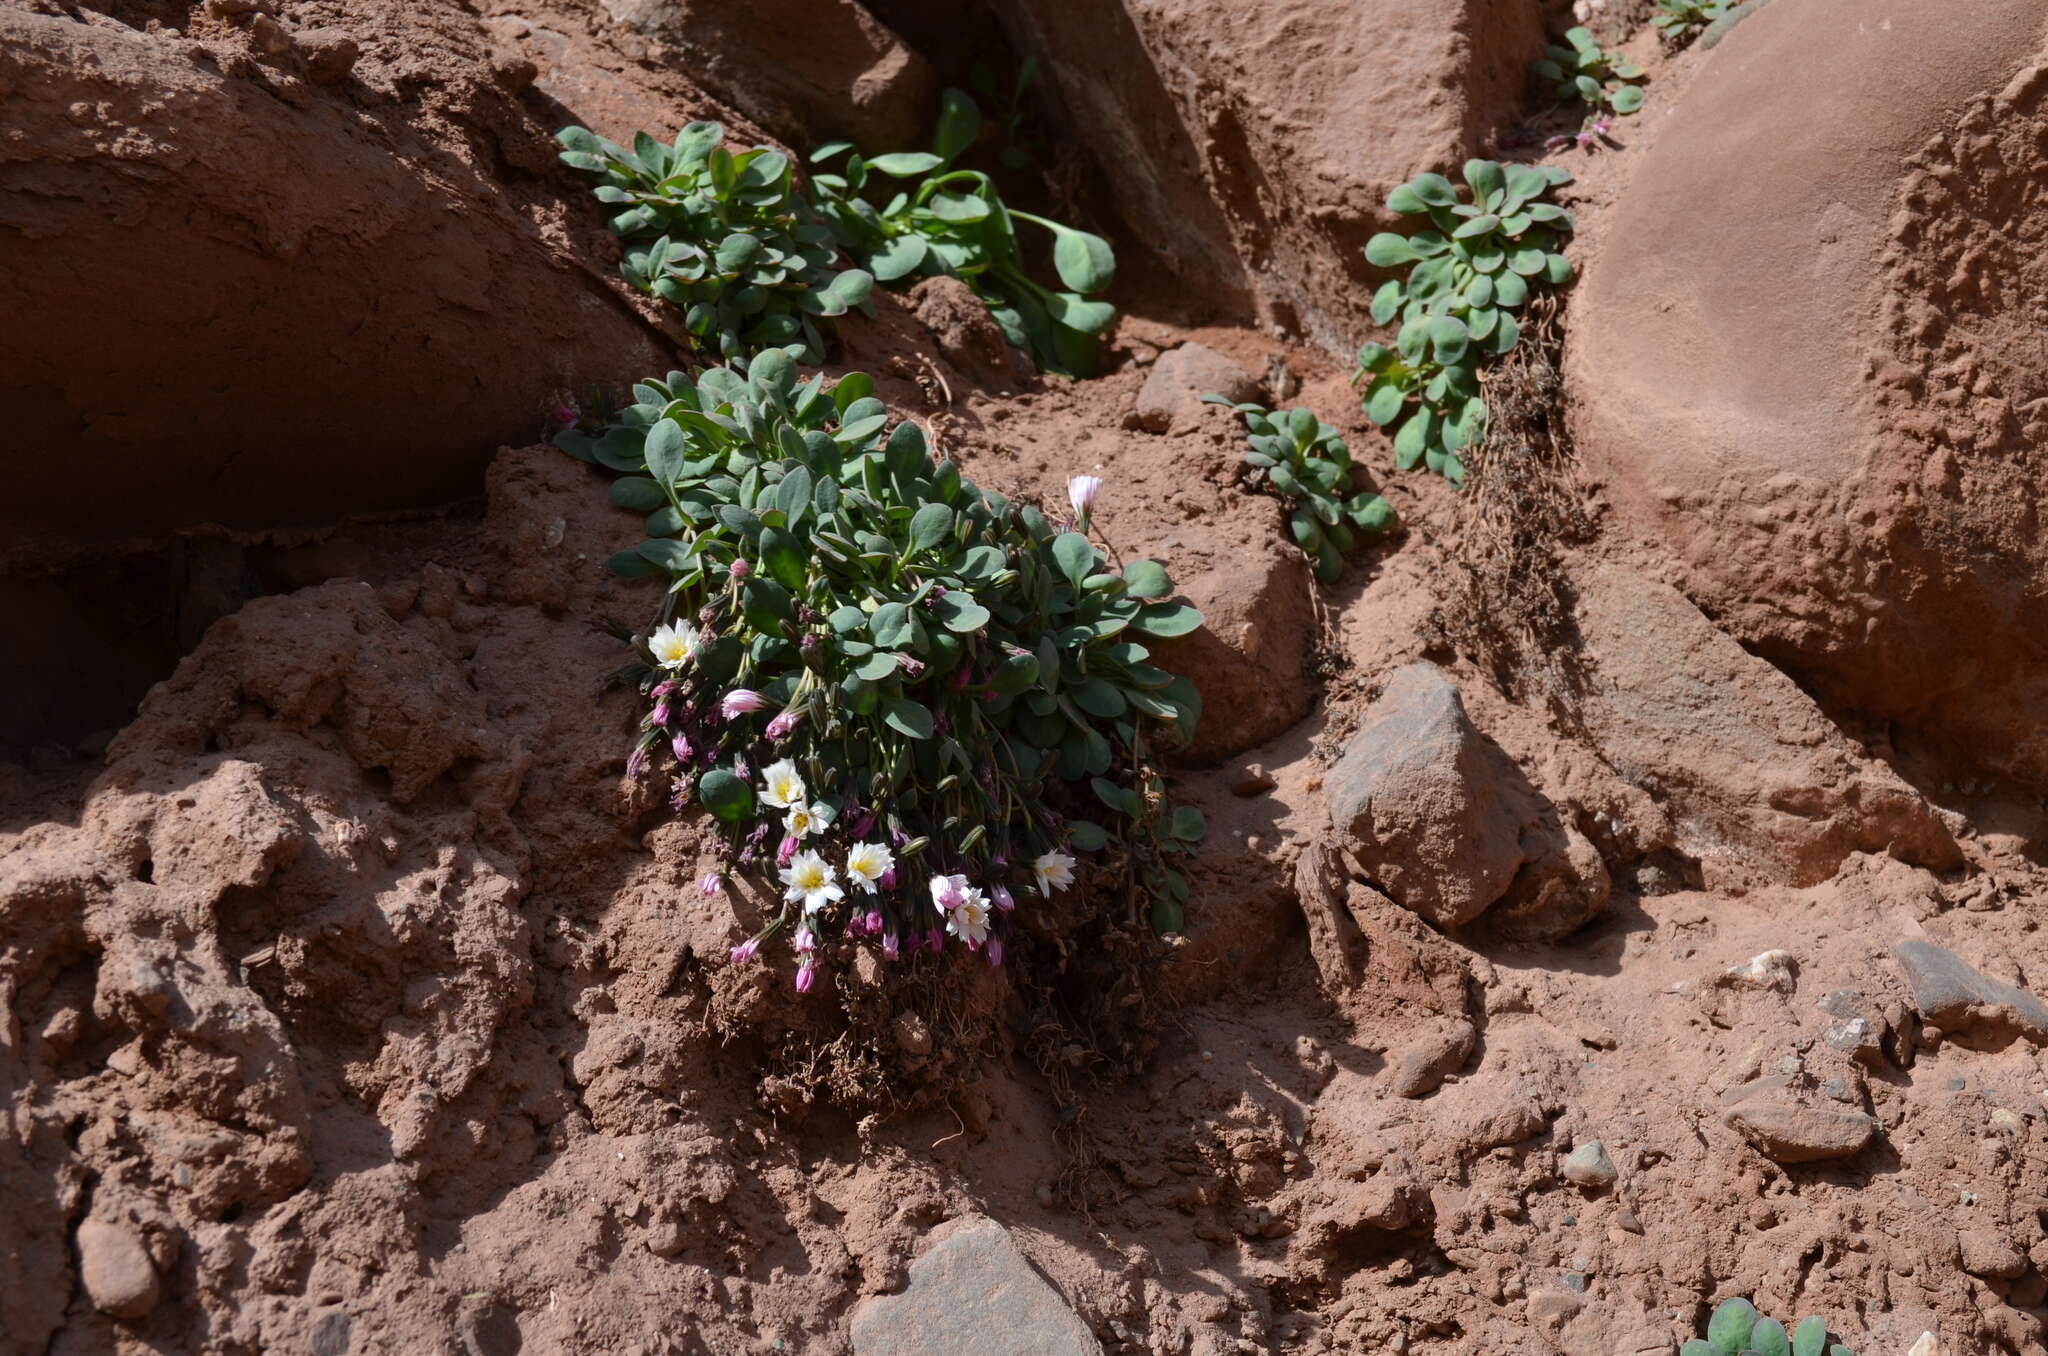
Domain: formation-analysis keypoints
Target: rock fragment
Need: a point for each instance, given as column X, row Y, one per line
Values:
column 1773, row 970
column 330, row 54
column 1589, row 1166
column 1791, row 1132
column 1952, row 994
column 1171, row 399
column 1427, row 807
column 119, row 1277
column 974, row 1291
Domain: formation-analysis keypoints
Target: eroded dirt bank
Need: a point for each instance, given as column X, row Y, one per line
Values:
column 358, row 1002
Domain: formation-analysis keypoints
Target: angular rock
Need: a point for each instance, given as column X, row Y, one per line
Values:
column 1949, row 992
column 119, row 1276
column 1589, row 1166
column 1426, row 806
column 973, row 1291
column 1791, row 1132
column 1757, row 780
column 1170, row 401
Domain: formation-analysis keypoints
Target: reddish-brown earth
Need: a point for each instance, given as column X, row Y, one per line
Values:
column 352, row 999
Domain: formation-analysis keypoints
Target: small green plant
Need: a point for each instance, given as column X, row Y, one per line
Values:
column 1306, row 462
column 727, row 237
column 1682, row 20
column 1581, row 71
column 864, row 668
column 955, row 221
column 1467, row 276
column 1737, row 1329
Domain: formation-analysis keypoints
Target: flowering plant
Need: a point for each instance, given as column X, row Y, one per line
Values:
column 872, row 674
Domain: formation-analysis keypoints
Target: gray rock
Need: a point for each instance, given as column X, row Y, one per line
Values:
column 1427, row 807
column 1953, row 995
column 1171, row 399
column 1589, row 1166
column 1791, row 1132
column 974, row 1291
column 119, row 1278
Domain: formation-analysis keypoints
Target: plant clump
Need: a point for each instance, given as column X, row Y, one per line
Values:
column 885, row 686
column 1467, row 276
column 1737, row 1329
column 1680, row 21
column 954, row 221
column 1578, row 71
column 1308, row 464
column 727, row 237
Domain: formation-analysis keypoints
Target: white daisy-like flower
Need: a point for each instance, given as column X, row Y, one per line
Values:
column 804, row 820
column 968, row 920
column 674, row 644
column 1053, row 871
column 947, row 891
column 782, row 785
column 866, row 863
column 811, row 881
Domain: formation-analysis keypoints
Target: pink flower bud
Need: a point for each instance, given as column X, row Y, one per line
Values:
column 787, row 851
column 635, row 761
column 740, row 569
column 995, row 951
column 680, row 747
column 874, row 922
column 711, row 884
column 806, row 941
column 936, row 939
column 1004, row 900
column 1081, row 493
column 663, row 689
column 746, row 951
column 661, row 712
column 891, row 948
column 806, row 975
column 740, row 701
column 780, row 727
column 887, row 880
column 566, row 414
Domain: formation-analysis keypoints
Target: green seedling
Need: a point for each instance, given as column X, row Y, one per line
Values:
column 1737, row 1329
column 1306, row 463
column 1579, row 71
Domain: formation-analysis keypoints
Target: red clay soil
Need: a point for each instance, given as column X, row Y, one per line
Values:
column 355, row 1000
